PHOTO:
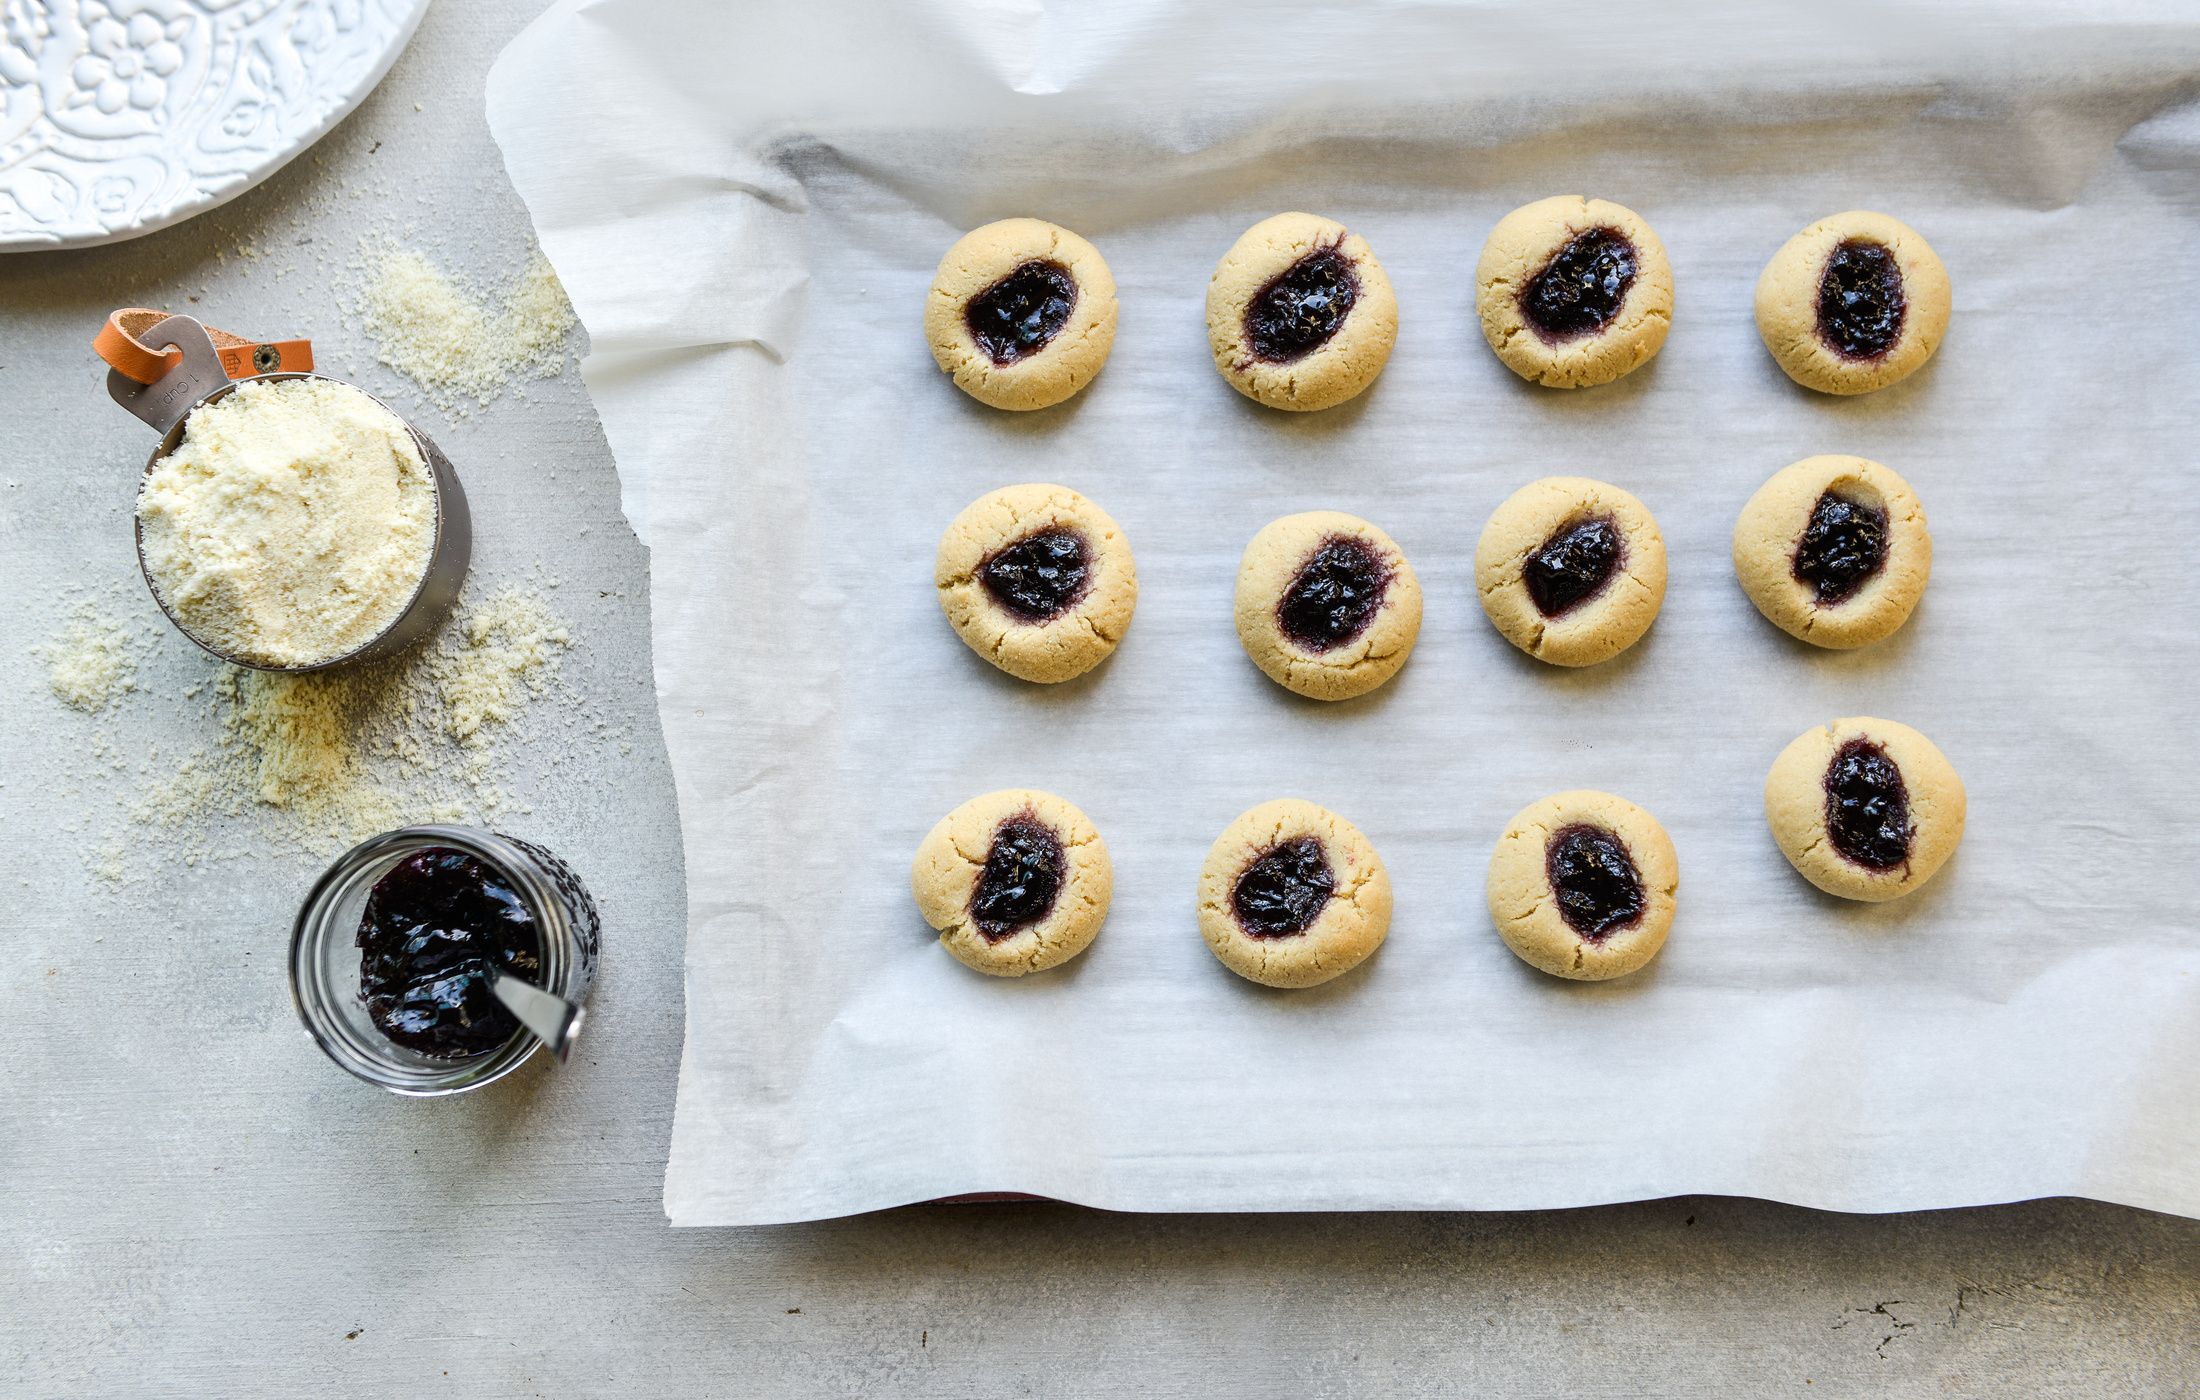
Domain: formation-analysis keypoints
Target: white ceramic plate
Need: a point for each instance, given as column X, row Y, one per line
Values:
column 119, row 117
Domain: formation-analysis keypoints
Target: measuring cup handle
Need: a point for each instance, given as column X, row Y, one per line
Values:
column 197, row 372
column 159, row 366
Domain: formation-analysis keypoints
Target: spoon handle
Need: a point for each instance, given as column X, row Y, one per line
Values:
column 551, row 1019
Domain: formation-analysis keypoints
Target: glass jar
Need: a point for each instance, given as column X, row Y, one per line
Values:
column 324, row 956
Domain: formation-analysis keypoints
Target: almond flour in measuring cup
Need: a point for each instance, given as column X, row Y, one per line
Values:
column 292, row 524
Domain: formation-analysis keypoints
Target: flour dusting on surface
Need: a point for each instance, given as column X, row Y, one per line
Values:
column 93, row 661
column 318, row 761
column 456, row 342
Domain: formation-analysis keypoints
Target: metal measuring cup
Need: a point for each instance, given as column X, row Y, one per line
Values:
column 199, row 373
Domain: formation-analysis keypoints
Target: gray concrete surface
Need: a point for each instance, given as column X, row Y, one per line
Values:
column 195, row 1203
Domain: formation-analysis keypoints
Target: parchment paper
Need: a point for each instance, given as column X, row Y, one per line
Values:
column 746, row 204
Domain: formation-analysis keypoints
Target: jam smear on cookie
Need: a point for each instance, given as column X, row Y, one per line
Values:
column 1021, row 880
column 1284, row 890
column 1844, row 544
column 1581, row 288
column 1301, row 307
column 1573, row 565
column 1867, row 806
column 1020, row 314
column 1596, row 882
column 1335, row 594
column 432, row 928
column 1040, row 576
column 1860, row 300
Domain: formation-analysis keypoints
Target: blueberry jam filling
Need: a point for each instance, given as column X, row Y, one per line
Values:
column 1580, row 289
column 1596, row 882
column 1021, row 880
column 1334, row 596
column 1844, row 544
column 1284, row 890
column 1302, row 306
column 1867, row 806
column 1860, row 301
column 431, row 929
column 1039, row 576
column 1021, row 313
column 1573, row 565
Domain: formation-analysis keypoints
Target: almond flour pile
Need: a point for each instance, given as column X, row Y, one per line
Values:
column 292, row 524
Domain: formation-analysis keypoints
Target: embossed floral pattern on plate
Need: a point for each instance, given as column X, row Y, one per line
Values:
column 118, row 117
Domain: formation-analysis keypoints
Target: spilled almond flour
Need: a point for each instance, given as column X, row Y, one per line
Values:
column 460, row 343
column 320, row 761
column 93, row 661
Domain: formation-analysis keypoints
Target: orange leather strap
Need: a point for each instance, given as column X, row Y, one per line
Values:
column 118, row 344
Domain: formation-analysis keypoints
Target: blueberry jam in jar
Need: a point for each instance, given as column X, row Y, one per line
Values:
column 432, row 928
column 391, row 953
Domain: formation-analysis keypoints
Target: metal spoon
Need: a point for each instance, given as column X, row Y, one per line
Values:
column 550, row 1018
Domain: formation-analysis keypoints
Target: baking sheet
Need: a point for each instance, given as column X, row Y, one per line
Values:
column 746, row 204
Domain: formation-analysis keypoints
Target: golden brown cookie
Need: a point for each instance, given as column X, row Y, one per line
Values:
column 1293, row 895
column 1021, row 313
column 1865, row 808
column 1853, row 303
column 1574, row 292
column 1834, row 551
column 1038, row 580
column 1582, row 885
column 1299, row 314
column 1571, row 570
column 1327, row 604
column 1016, row 881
